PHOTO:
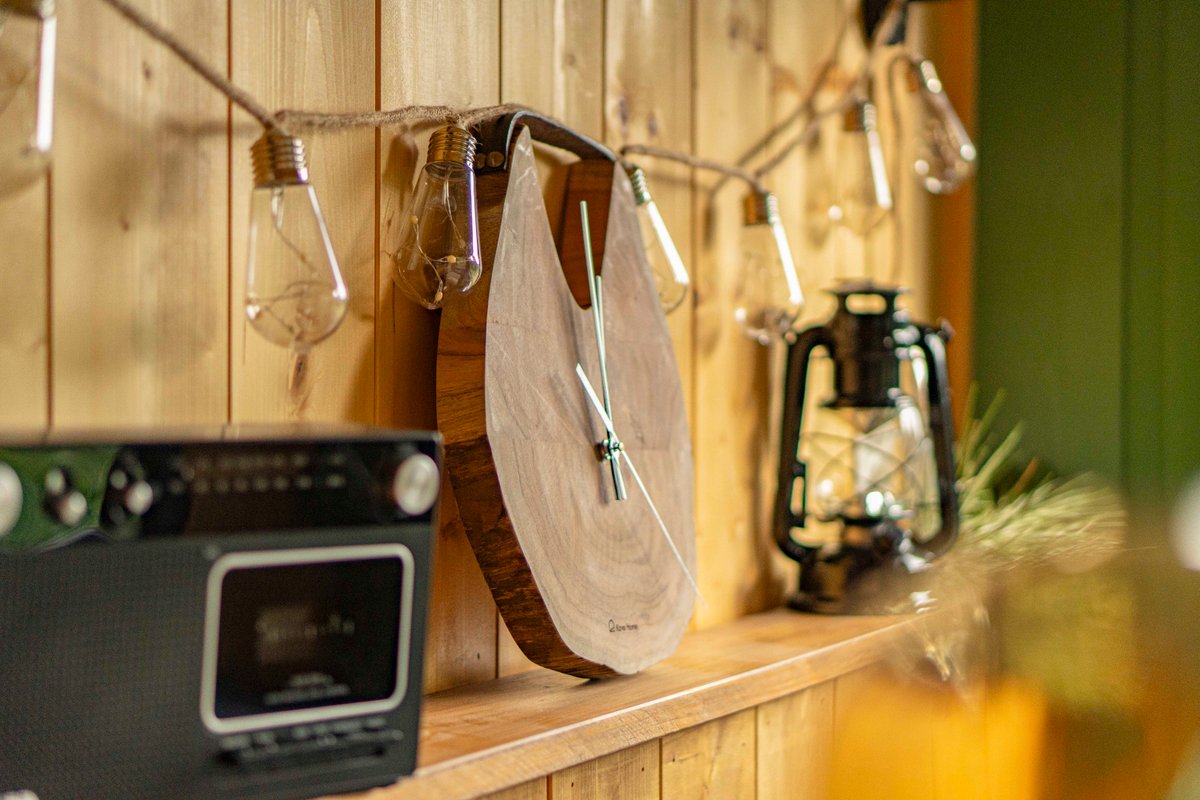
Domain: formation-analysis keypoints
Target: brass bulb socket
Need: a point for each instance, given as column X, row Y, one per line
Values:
column 42, row 9
column 452, row 144
column 860, row 118
column 278, row 160
column 637, row 180
column 760, row 208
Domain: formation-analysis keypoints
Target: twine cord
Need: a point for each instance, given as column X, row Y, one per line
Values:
column 294, row 119
column 695, row 161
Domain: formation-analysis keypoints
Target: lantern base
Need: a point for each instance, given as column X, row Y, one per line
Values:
column 827, row 587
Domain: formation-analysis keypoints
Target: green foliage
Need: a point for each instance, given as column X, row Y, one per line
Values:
column 1012, row 515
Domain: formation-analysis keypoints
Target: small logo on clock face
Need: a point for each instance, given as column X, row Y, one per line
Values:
column 617, row 627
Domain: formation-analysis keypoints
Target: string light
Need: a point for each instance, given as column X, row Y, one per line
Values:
column 295, row 296
column 301, row 320
column 666, row 267
column 768, row 299
column 437, row 248
column 27, row 39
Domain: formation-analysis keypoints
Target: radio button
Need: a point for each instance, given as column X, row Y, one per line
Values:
column 415, row 484
column 263, row 738
column 64, row 503
column 238, row 742
column 347, row 726
column 137, row 498
column 11, row 498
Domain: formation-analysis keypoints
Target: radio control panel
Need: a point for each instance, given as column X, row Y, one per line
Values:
column 53, row 494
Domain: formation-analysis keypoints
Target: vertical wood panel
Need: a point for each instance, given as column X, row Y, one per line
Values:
column 714, row 760
column 731, row 419
column 533, row 790
column 552, row 60
column 952, row 228
column 631, row 774
column 24, row 387
column 433, row 53
column 139, row 308
column 802, row 36
column 317, row 54
column 552, row 53
column 648, row 100
column 795, row 743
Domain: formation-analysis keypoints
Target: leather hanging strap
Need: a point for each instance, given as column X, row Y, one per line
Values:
column 495, row 137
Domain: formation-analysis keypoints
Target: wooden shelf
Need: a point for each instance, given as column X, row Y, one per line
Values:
column 490, row 736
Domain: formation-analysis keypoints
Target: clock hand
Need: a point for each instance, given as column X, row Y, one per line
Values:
column 595, row 291
column 618, row 451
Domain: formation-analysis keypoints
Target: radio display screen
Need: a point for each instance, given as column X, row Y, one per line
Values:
column 299, row 634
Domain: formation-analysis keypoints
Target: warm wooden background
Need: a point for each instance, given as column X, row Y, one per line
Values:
column 122, row 275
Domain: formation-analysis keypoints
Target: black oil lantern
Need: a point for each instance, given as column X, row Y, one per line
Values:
column 866, row 494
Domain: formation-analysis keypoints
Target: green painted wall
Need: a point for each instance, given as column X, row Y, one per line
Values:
column 1088, row 269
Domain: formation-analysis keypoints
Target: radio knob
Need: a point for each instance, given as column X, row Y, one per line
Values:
column 11, row 498
column 137, row 498
column 135, row 495
column 64, row 503
column 415, row 484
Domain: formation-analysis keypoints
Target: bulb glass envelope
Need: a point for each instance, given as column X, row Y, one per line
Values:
column 28, row 32
column 437, row 254
column 768, row 298
column 295, row 295
column 945, row 156
column 862, row 194
column 671, row 279
column 870, row 466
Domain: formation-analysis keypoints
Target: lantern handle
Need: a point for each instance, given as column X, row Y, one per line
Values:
column 933, row 344
column 791, row 468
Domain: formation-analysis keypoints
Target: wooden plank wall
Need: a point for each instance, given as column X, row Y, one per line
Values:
column 122, row 272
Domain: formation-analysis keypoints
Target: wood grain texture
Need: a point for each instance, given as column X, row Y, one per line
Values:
column 24, row 275
column 138, row 309
column 534, row 790
column 551, row 60
column 795, row 742
column 952, row 222
column 422, row 59
column 648, row 71
column 586, row 583
column 714, row 760
column 732, row 372
column 317, row 54
column 479, row 738
column 801, row 36
column 630, row 774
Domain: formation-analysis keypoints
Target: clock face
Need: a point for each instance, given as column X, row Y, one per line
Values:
column 588, row 584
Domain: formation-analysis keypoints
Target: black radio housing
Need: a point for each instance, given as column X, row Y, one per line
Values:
column 239, row 615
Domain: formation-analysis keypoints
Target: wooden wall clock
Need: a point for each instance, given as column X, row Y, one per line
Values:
column 587, row 583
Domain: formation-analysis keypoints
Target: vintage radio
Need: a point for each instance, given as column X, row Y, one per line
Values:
column 233, row 615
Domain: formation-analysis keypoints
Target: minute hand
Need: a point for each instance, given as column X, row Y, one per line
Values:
column 595, row 291
column 621, row 453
